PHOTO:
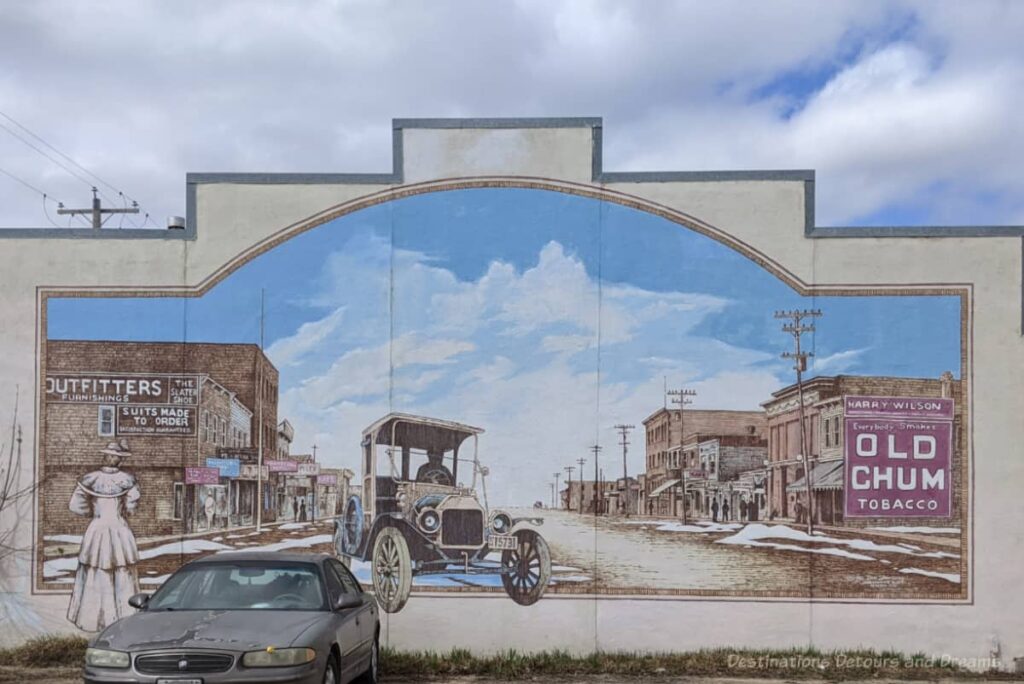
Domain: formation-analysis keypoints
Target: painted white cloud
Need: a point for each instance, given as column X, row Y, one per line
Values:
column 514, row 351
column 840, row 362
column 289, row 350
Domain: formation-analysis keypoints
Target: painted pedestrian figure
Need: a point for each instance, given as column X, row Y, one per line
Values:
column 725, row 510
column 714, row 510
column 106, row 575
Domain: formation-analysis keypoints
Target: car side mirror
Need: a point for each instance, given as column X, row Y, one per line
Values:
column 348, row 602
column 139, row 600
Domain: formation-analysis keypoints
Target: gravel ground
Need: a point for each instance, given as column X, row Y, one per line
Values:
column 71, row 676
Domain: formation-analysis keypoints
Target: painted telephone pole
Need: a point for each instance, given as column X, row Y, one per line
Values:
column 568, row 491
column 624, row 432
column 796, row 327
column 259, row 421
column 554, row 497
column 682, row 398
column 581, row 462
column 596, row 450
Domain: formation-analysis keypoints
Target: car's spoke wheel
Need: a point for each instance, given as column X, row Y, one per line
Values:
column 392, row 570
column 526, row 571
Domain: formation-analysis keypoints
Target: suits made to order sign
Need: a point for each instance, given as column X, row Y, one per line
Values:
column 898, row 457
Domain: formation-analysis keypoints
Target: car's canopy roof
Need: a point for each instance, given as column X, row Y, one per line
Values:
column 420, row 432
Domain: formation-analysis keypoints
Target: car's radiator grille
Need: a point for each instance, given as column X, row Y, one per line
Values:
column 462, row 528
column 179, row 663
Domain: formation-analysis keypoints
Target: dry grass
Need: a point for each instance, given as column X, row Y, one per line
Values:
column 781, row 664
column 68, row 652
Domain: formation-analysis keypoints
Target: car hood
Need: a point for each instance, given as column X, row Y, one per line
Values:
column 233, row 630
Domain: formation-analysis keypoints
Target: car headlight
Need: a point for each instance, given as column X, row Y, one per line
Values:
column 98, row 657
column 501, row 523
column 429, row 520
column 278, row 657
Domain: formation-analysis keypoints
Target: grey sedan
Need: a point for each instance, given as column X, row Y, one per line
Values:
column 245, row 617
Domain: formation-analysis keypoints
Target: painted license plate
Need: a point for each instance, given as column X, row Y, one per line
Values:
column 502, row 542
column 179, row 681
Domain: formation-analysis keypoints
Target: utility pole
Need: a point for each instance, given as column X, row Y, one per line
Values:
column 313, row 479
column 682, row 398
column 259, row 420
column 554, row 499
column 581, row 462
column 96, row 211
column 568, row 491
column 796, row 327
column 596, row 450
column 624, row 432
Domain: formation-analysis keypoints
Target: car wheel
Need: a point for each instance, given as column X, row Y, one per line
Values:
column 525, row 572
column 331, row 672
column 372, row 672
column 392, row 570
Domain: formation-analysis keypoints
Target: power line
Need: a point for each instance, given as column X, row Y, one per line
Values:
column 46, row 197
column 88, row 182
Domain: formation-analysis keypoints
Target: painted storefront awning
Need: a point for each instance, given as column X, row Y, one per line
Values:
column 659, row 490
column 824, row 476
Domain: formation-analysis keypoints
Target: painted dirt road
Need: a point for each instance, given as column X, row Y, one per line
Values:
column 659, row 556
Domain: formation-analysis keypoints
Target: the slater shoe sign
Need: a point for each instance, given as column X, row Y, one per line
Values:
column 898, row 456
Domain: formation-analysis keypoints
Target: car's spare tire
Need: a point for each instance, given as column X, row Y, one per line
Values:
column 348, row 530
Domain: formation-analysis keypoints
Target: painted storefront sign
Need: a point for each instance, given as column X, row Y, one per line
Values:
column 227, row 467
column 898, row 457
column 279, row 466
column 100, row 388
column 198, row 475
column 156, row 420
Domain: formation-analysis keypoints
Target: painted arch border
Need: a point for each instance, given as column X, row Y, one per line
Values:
column 963, row 290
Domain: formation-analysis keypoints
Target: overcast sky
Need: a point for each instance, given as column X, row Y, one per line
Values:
column 909, row 111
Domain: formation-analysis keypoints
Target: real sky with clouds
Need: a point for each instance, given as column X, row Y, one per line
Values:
column 909, row 110
column 542, row 317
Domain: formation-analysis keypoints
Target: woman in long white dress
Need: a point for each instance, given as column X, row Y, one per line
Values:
column 106, row 576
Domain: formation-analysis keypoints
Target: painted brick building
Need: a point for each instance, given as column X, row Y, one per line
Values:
column 174, row 405
column 667, row 454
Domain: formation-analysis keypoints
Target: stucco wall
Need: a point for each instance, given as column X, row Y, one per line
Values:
column 762, row 214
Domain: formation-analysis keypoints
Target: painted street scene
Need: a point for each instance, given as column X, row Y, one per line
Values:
column 492, row 391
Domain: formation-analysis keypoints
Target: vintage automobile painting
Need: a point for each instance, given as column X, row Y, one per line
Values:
column 426, row 521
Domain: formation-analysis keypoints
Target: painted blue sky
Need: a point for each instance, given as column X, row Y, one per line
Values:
column 542, row 317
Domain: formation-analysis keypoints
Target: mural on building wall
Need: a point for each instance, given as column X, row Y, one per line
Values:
column 509, row 391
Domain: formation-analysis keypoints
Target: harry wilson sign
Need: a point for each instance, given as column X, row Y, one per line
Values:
column 898, row 457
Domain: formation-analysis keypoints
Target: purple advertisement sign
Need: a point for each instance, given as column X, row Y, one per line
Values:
column 898, row 457
column 328, row 480
column 201, row 476
column 282, row 466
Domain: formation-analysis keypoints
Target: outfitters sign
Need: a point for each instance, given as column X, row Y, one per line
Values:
column 101, row 388
column 898, row 457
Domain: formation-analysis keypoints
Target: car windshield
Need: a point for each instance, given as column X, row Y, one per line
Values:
column 242, row 586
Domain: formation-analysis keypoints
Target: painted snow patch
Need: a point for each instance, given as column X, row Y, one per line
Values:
column 154, row 580
column 948, row 576
column 66, row 538
column 756, row 534
column 293, row 526
column 298, row 543
column 184, row 547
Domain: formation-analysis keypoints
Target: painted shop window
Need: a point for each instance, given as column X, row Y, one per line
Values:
column 106, row 421
column 179, row 500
